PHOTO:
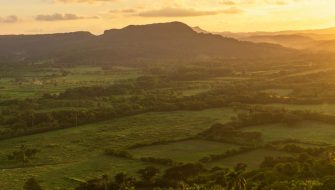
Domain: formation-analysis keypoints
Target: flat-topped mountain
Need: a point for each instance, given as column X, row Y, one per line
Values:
column 160, row 41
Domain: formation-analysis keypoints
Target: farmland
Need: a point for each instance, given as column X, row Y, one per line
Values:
column 89, row 121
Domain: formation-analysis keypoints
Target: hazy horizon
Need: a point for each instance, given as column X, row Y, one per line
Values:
column 195, row 26
column 95, row 16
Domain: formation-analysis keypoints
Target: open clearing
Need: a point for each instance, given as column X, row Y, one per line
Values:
column 279, row 92
column 30, row 84
column 307, row 131
column 322, row 108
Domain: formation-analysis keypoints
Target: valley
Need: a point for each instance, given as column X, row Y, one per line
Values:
column 68, row 124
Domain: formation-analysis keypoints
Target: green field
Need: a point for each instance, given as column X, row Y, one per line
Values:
column 307, row 131
column 183, row 151
column 35, row 83
column 322, row 108
column 78, row 152
column 279, row 92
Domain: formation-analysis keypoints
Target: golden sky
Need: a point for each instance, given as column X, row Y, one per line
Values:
column 50, row 16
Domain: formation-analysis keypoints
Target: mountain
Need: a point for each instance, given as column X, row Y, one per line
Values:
column 312, row 40
column 36, row 47
column 289, row 40
column 200, row 30
column 157, row 42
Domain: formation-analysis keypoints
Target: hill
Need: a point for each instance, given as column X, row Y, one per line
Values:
column 200, row 30
column 313, row 40
column 290, row 41
column 162, row 41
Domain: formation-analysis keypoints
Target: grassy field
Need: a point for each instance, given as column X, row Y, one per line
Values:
column 30, row 84
column 322, row 108
column 307, row 131
column 279, row 92
column 253, row 158
column 183, row 151
column 78, row 152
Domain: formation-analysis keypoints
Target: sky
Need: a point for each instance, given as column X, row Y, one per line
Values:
column 54, row 16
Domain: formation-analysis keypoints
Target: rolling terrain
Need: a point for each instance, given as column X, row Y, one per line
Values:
column 80, row 111
column 321, row 40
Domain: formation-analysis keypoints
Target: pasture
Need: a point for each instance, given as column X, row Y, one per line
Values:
column 32, row 83
column 79, row 152
column 306, row 131
column 321, row 108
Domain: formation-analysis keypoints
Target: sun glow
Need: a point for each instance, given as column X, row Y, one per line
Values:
column 47, row 16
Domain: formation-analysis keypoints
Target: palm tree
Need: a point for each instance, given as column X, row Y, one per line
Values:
column 236, row 181
column 32, row 184
column 105, row 181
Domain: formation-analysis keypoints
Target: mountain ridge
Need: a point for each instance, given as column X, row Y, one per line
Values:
column 158, row 41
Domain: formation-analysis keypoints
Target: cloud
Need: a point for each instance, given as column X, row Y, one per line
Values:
column 61, row 17
column 181, row 12
column 83, row 1
column 127, row 11
column 9, row 19
column 228, row 2
column 233, row 10
column 257, row 2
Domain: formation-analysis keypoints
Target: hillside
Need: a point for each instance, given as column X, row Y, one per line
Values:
column 290, row 41
column 147, row 42
column 313, row 40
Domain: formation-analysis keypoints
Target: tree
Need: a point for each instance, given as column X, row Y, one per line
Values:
column 123, row 181
column 105, row 181
column 32, row 184
column 148, row 174
column 235, row 179
column 24, row 155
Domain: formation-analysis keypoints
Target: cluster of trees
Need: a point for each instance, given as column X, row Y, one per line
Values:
column 153, row 160
column 228, row 133
column 118, row 153
column 308, row 170
column 126, row 87
column 228, row 153
column 187, row 176
column 24, row 155
column 161, row 161
column 191, row 72
column 294, row 148
column 32, row 184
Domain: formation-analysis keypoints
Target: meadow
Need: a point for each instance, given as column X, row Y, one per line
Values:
column 29, row 82
column 79, row 152
column 306, row 131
